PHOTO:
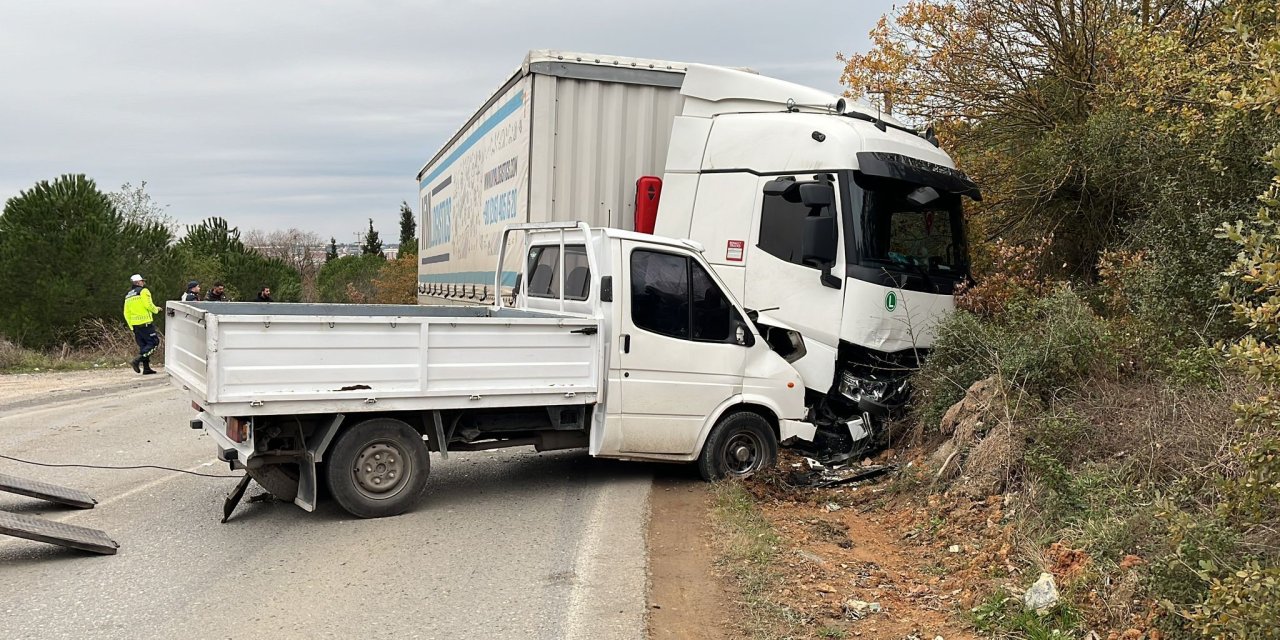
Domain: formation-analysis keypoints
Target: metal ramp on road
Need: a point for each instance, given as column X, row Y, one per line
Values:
column 42, row 530
column 67, row 535
column 45, row 491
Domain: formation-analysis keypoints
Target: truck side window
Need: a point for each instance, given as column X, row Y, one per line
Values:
column 782, row 222
column 672, row 296
column 544, row 274
column 712, row 313
column 660, row 293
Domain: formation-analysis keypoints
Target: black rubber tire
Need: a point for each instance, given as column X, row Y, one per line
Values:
column 738, row 429
column 351, row 486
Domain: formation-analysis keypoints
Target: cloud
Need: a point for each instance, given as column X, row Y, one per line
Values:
column 318, row 114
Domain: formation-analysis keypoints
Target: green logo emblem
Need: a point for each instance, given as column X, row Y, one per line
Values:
column 891, row 300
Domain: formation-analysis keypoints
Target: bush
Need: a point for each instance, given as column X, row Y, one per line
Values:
column 1041, row 345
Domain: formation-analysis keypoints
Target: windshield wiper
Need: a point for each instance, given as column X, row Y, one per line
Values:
column 933, row 286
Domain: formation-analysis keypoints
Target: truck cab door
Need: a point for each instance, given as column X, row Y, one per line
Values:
column 680, row 354
column 794, row 265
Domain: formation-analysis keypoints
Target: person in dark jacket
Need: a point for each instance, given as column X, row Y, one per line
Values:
column 264, row 295
column 217, row 294
column 192, row 294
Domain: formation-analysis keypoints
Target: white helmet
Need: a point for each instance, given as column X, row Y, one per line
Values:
column 137, row 277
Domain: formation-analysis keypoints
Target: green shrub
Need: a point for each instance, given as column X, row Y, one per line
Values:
column 1041, row 345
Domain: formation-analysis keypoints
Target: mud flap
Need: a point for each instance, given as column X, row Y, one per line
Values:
column 66, row 535
column 234, row 497
column 308, row 479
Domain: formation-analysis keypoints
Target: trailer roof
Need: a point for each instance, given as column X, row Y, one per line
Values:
column 538, row 56
column 581, row 66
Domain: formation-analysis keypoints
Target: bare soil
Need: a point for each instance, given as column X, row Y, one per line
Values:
column 687, row 600
column 874, row 559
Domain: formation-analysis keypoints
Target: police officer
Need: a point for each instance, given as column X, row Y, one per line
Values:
column 138, row 312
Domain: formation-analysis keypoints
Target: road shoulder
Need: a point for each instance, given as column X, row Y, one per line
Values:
column 687, row 599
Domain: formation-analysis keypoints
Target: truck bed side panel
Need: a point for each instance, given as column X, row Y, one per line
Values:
column 493, row 356
column 266, row 359
column 186, row 349
column 296, row 361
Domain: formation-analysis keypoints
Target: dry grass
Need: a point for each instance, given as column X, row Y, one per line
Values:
column 95, row 343
column 1166, row 432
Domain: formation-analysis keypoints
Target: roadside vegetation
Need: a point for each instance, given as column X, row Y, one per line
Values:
column 1102, row 407
column 67, row 250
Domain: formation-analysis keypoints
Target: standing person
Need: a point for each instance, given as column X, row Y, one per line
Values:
column 192, row 294
column 264, row 295
column 138, row 312
column 217, row 294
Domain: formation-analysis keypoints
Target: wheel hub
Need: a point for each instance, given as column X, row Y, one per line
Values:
column 380, row 468
column 742, row 454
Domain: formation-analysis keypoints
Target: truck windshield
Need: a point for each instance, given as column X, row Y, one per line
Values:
column 911, row 226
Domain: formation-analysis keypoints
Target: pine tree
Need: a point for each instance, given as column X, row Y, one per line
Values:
column 408, row 231
column 332, row 252
column 372, row 243
column 66, row 255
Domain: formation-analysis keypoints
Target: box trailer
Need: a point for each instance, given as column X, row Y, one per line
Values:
column 564, row 138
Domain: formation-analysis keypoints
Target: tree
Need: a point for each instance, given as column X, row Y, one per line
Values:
column 1092, row 120
column 331, row 252
column 215, row 248
column 66, row 255
column 397, row 281
column 136, row 205
column 299, row 249
column 372, row 243
column 408, row 231
column 350, row 278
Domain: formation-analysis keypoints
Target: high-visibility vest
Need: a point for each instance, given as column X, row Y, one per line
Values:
column 138, row 307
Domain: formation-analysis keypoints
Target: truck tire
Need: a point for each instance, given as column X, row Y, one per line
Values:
column 378, row 468
column 741, row 444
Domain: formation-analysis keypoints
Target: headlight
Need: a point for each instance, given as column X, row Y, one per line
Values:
column 857, row 388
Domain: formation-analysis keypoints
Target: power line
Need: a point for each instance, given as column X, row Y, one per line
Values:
column 140, row 466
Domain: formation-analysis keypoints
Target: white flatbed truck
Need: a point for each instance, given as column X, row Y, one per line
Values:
column 631, row 346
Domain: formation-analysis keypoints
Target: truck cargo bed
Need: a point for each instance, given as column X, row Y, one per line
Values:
column 248, row 359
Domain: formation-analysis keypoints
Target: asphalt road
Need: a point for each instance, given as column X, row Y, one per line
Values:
column 510, row 544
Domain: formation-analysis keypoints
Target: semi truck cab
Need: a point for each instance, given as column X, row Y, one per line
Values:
column 836, row 223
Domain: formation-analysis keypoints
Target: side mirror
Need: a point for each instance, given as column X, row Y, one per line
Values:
column 817, row 194
column 742, row 334
column 818, row 245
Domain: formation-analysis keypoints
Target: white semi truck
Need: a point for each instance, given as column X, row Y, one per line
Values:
column 642, row 353
column 839, row 227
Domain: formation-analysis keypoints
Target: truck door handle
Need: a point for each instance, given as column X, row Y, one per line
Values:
column 626, row 343
column 586, row 331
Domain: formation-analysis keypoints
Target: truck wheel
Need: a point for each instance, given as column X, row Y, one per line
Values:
column 378, row 468
column 741, row 444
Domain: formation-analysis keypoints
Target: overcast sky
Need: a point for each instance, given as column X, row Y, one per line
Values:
column 318, row 114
